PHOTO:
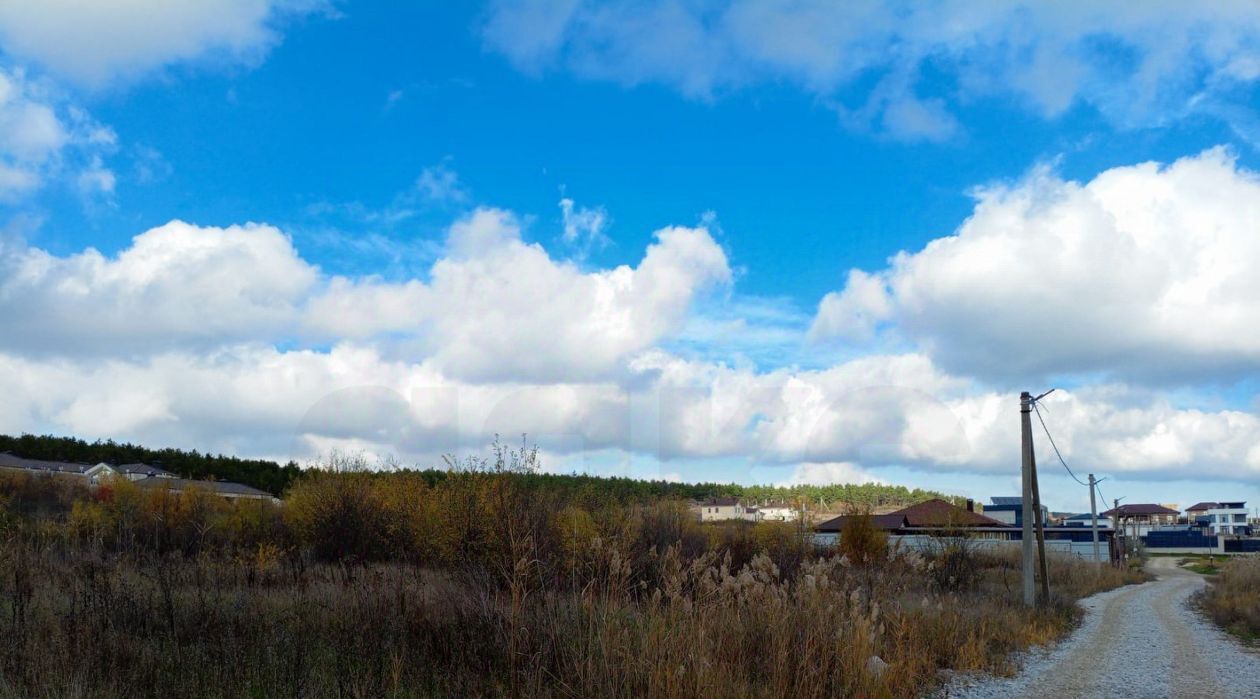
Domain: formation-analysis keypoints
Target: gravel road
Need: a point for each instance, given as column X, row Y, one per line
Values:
column 1136, row 641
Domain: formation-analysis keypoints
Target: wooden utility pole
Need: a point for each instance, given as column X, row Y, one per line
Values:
column 1093, row 514
column 1124, row 553
column 1025, row 423
column 1040, row 520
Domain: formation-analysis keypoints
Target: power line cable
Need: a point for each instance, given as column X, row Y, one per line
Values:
column 1056, row 448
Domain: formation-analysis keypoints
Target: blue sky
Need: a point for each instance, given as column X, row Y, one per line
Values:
column 576, row 218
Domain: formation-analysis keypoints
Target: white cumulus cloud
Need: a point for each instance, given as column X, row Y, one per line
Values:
column 176, row 285
column 1143, row 273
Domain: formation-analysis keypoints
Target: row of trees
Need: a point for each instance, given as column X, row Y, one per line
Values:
column 487, row 516
column 277, row 479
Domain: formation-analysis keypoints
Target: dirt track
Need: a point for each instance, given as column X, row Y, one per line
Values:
column 1138, row 641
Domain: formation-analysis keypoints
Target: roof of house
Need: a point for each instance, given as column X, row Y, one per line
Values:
column 721, row 502
column 938, row 513
column 835, row 524
column 930, row 513
column 9, row 460
column 219, row 487
column 145, row 469
column 1202, row 506
column 1139, row 509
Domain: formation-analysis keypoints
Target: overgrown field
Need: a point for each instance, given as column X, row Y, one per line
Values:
column 369, row 585
column 1232, row 597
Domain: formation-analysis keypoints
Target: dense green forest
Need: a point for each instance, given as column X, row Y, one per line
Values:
column 276, row 479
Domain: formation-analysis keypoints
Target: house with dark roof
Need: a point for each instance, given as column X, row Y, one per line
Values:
column 224, row 489
column 92, row 473
column 1228, row 518
column 726, row 509
column 144, row 475
column 932, row 517
column 1197, row 510
column 1138, row 519
column 938, row 518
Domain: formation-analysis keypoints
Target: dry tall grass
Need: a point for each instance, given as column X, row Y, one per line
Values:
column 372, row 586
column 1232, row 597
column 83, row 623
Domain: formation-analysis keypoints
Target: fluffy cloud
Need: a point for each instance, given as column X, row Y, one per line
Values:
column 1139, row 64
column 177, row 285
column 98, row 41
column 40, row 137
column 499, row 309
column 1142, row 273
column 226, row 339
column 494, row 308
column 835, row 425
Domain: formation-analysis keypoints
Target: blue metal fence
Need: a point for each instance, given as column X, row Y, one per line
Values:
column 1177, row 539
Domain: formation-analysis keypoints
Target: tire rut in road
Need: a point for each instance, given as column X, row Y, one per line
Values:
column 1076, row 673
column 1192, row 675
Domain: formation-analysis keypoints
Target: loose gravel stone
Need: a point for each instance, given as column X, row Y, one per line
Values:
column 1136, row 641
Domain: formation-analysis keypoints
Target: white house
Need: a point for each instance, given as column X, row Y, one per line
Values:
column 725, row 509
column 1228, row 518
column 778, row 512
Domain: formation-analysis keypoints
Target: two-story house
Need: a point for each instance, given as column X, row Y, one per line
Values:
column 1229, row 518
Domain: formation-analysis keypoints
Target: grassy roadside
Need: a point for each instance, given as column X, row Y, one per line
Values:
column 1232, row 598
column 1203, row 565
column 89, row 623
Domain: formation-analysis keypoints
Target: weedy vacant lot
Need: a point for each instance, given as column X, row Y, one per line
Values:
column 370, row 585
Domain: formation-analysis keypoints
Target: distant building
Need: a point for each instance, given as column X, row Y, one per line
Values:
column 1139, row 519
column 778, row 512
column 1194, row 512
column 1010, row 510
column 143, row 475
column 92, row 473
column 1228, row 518
column 933, row 517
column 726, row 509
column 224, row 489
column 1086, row 520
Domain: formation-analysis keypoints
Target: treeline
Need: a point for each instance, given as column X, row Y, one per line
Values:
column 259, row 473
column 483, row 515
column 625, row 490
column 277, row 479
